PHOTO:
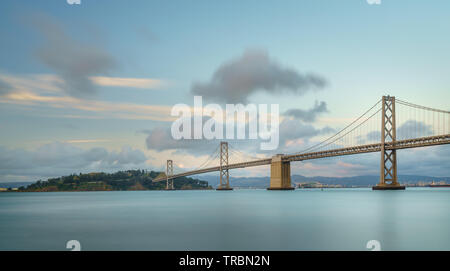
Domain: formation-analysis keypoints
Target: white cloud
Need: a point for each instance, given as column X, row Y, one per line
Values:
column 60, row 158
column 45, row 90
column 144, row 83
column 255, row 71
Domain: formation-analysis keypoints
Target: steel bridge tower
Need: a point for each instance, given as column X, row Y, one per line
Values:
column 224, row 174
column 169, row 173
column 388, row 166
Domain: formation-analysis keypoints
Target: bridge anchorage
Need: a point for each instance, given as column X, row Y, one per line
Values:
column 224, row 184
column 388, row 172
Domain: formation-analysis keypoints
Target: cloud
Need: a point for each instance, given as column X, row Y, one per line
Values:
column 293, row 136
column 254, row 71
column 126, row 156
column 65, row 155
column 431, row 161
column 59, row 158
column 74, row 61
column 374, row 136
column 308, row 115
column 127, row 82
column 412, row 128
column 78, row 141
column 407, row 130
column 4, row 88
column 42, row 83
column 53, row 83
column 295, row 129
column 160, row 139
column 44, row 90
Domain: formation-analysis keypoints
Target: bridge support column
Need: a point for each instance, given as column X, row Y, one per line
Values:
column 388, row 173
column 169, row 173
column 224, row 174
column 280, row 174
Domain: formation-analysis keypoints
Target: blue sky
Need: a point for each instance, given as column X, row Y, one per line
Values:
column 363, row 51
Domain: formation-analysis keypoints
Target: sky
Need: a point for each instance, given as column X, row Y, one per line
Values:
column 90, row 87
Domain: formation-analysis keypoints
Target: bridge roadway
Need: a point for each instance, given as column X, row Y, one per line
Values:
column 399, row 144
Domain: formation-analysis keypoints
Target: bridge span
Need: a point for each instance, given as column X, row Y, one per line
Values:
column 280, row 178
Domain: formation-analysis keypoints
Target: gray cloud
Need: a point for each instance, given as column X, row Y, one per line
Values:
column 183, row 146
column 254, row 71
column 74, row 61
column 369, row 138
column 309, row 115
column 127, row 155
column 295, row 129
column 412, row 128
column 4, row 88
column 160, row 139
column 56, row 159
column 409, row 129
column 374, row 136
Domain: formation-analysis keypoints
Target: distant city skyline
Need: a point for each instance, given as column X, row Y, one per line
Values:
column 89, row 87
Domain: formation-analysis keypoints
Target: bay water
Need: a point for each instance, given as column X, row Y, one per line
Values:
column 245, row 219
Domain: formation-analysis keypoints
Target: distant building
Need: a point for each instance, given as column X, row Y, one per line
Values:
column 3, row 189
column 318, row 185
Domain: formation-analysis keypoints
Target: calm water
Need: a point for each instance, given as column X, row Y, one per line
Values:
column 333, row 219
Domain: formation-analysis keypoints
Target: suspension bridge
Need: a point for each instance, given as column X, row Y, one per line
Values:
column 374, row 131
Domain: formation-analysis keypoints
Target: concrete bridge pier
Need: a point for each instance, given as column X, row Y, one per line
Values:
column 280, row 174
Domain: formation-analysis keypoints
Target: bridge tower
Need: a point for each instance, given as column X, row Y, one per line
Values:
column 224, row 174
column 280, row 174
column 169, row 172
column 388, row 173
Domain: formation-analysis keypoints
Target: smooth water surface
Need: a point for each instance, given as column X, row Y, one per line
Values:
column 332, row 219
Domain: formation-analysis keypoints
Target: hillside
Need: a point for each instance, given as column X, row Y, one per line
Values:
column 119, row 181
